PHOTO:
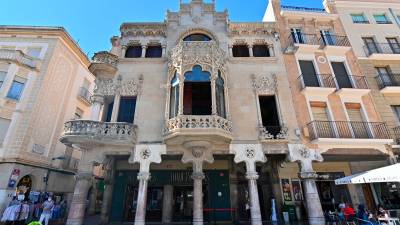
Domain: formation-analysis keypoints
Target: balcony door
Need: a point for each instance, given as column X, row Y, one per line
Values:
column 269, row 114
column 126, row 112
column 384, row 76
column 297, row 36
column 323, row 126
column 358, row 125
column 327, row 37
column 342, row 77
column 394, row 45
column 309, row 75
column 370, row 45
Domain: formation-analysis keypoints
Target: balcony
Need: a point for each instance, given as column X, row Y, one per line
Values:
column 211, row 128
column 273, row 133
column 382, row 51
column 389, row 84
column 309, row 43
column 302, row 9
column 325, row 84
column 18, row 57
column 348, row 134
column 87, row 133
column 104, row 65
column 84, row 95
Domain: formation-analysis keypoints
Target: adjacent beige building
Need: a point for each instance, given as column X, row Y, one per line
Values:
column 44, row 81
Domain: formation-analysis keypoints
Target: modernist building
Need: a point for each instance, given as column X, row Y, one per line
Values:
column 336, row 97
column 199, row 118
column 44, row 80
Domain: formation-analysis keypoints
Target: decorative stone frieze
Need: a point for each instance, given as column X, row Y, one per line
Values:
column 250, row 29
column 143, row 29
column 197, row 122
column 188, row 54
column 264, row 85
column 132, row 87
column 105, row 57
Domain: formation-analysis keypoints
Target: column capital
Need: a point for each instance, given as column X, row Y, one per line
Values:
column 252, row 175
column 145, row 176
column 248, row 153
column 144, row 46
column 198, row 176
column 96, row 98
column 147, row 154
column 304, row 156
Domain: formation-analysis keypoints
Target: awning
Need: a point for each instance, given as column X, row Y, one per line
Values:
column 385, row 174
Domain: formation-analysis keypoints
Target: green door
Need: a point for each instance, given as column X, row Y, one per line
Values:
column 218, row 195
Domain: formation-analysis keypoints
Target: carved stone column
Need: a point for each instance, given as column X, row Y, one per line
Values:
column 250, row 154
column 197, row 152
column 271, row 50
column 97, row 103
column 181, row 89
column 230, row 52
column 304, row 156
column 108, row 189
column 164, row 51
column 213, row 95
column 140, row 217
column 144, row 47
column 123, row 51
column 251, row 50
column 115, row 109
column 168, row 204
column 144, row 155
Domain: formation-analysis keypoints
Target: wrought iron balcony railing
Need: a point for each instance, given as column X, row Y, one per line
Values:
column 396, row 132
column 331, row 81
column 303, row 9
column 273, row 133
column 347, row 129
column 99, row 130
column 84, row 94
column 382, row 48
column 320, row 40
column 388, row 80
column 198, row 122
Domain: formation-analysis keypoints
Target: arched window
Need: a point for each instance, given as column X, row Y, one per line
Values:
column 197, row 37
column 220, row 96
column 174, row 97
column 197, row 92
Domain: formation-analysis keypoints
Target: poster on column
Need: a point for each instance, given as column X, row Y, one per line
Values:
column 297, row 192
column 12, row 181
column 286, row 191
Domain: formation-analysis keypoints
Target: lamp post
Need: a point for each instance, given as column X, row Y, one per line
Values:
column 46, row 178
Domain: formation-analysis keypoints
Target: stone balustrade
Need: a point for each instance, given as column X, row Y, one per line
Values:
column 273, row 133
column 198, row 122
column 87, row 131
column 17, row 56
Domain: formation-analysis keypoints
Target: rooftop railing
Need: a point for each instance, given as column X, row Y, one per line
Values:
column 303, row 9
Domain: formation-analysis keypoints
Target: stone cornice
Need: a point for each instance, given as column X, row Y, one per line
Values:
column 251, row 29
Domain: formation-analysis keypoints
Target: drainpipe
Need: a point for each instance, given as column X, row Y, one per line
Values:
column 395, row 17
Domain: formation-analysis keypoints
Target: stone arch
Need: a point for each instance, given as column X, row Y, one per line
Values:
column 199, row 30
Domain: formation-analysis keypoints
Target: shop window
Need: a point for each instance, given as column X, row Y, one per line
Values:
column 261, row 51
column 133, row 51
column 388, row 195
column 126, row 112
column 240, row 51
column 16, row 88
column 197, row 37
column 174, row 97
column 154, row 51
column 269, row 114
column 220, row 96
column 197, row 92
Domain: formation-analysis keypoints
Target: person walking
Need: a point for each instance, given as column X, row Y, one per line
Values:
column 48, row 206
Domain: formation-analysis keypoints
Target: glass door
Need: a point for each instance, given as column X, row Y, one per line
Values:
column 394, row 45
column 371, row 45
column 327, row 37
column 342, row 77
column 297, row 36
column 310, row 78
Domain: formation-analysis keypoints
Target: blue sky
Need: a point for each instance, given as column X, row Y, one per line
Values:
column 93, row 22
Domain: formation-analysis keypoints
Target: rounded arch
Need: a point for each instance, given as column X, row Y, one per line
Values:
column 198, row 30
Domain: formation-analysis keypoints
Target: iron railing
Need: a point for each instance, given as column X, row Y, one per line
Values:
column 320, row 40
column 335, row 40
column 331, row 81
column 347, row 129
column 85, row 94
column 388, row 80
column 396, row 132
column 381, row 48
column 303, row 9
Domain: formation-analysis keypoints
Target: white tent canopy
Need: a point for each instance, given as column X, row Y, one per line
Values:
column 385, row 174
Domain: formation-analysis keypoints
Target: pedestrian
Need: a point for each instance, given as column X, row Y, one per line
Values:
column 48, row 206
